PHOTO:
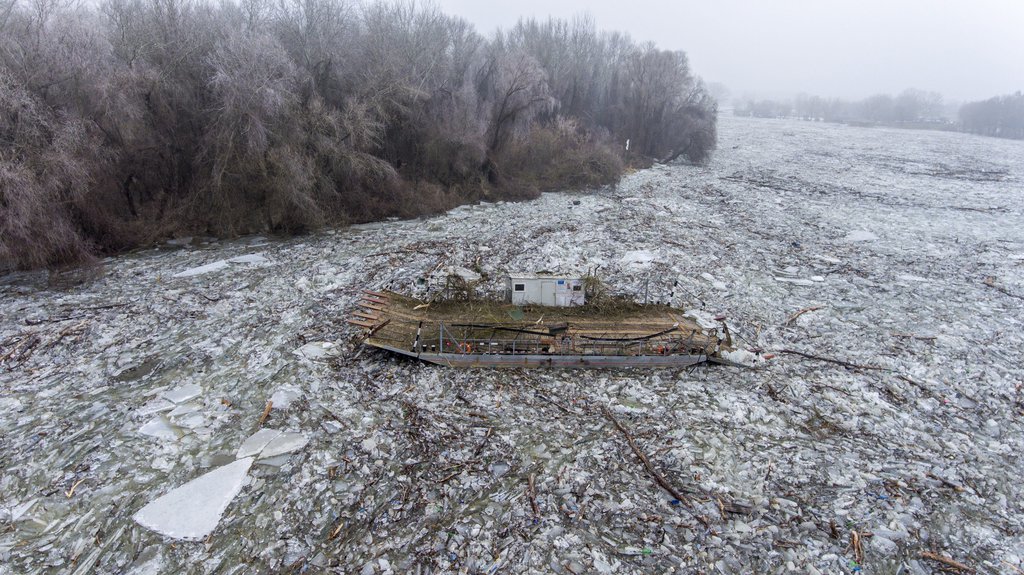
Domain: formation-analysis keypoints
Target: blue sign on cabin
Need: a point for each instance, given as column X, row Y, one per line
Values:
column 561, row 282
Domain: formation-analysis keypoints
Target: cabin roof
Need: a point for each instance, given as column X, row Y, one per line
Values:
column 530, row 276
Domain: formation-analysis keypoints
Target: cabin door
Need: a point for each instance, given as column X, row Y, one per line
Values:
column 548, row 289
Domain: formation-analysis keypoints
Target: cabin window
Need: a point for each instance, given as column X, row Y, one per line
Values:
column 520, row 287
column 577, row 287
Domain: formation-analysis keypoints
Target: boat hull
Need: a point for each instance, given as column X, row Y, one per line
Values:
column 495, row 360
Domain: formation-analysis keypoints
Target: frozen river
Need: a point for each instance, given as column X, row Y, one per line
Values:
column 903, row 249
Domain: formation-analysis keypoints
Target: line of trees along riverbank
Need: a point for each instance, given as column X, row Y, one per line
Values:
column 1001, row 116
column 138, row 119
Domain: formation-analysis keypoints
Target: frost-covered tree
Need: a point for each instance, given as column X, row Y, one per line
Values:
column 124, row 121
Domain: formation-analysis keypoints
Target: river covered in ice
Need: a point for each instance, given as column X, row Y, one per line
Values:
column 202, row 408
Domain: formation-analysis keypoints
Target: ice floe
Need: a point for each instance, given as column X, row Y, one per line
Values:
column 183, row 393
column 250, row 259
column 317, row 350
column 193, row 510
column 203, row 269
column 161, row 428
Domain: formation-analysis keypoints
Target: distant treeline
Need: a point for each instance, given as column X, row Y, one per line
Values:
column 911, row 106
column 135, row 120
column 1002, row 116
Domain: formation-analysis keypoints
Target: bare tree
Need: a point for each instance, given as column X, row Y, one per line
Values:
column 133, row 119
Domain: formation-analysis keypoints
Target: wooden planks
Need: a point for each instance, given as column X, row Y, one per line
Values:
column 371, row 309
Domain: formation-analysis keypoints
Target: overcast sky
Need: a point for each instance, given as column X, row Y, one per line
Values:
column 965, row 49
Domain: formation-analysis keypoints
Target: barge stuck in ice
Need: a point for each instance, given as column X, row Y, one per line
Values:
column 484, row 333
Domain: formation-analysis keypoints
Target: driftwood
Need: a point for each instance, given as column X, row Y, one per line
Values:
column 801, row 312
column 658, row 477
column 531, row 493
column 947, row 483
column 947, row 561
column 855, row 545
column 266, row 414
column 915, row 336
column 990, row 281
column 21, row 348
column 30, row 321
column 845, row 364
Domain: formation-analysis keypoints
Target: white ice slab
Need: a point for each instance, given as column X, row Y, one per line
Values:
column 193, row 510
column 183, row 393
column 287, row 442
column 860, row 236
column 19, row 511
column 255, row 443
column 276, row 461
column 160, row 428
column 317, row 350
column 741, row 356
column 703, row 318
column 249, row 259
column 191, row 421
column 155, row 406
column 638, row 258
column 184, row 409
column 196, row 271
column 795, row 281
column 284, row 396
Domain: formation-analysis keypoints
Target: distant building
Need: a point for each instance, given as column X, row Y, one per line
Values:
column 545, row 289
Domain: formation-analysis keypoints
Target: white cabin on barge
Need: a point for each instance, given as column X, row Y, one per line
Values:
column 545, row 289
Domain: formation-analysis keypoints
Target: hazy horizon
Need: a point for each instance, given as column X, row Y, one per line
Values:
column 965, row 51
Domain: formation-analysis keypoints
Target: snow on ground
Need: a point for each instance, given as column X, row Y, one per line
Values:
column 123, row 383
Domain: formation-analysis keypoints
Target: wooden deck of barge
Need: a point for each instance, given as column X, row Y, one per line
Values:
column 495, row 334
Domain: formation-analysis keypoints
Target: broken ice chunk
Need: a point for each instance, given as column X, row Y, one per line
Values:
column 212, row 267
column 191, row 420
column 860, row 236
column 256, row 442
column 183, row 393
column 703, row 318
column 499, row 468
column 795, row 281
column 18, row 512
column 637, row 258
column 249, row 259
column 276, row 461
column 160, row 428
column 287, row 442
column 284, row 396
column 741, row 357
column 155, row 406
column 193, row 510
column 317, row 350
column 184, row 409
